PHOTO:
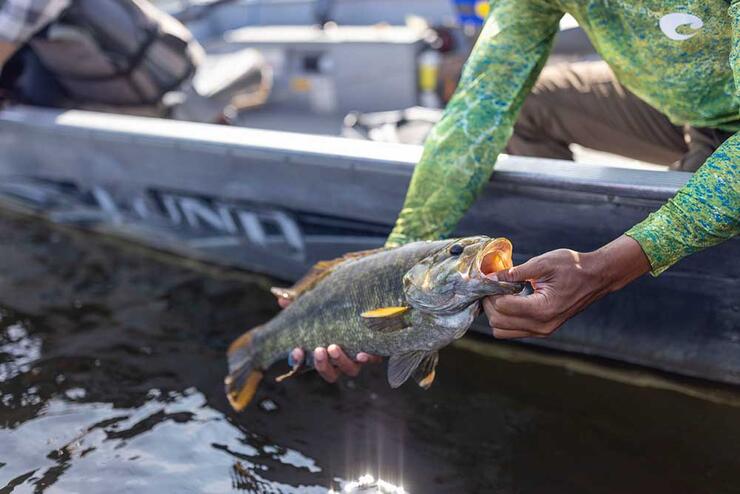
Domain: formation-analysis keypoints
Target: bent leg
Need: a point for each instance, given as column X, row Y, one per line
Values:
column 583, row 103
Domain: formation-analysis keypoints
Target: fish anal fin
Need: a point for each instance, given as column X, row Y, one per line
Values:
column 400, row 367
column 322, row 269
column 296, row 370
column 386, row 319
column 425, row 373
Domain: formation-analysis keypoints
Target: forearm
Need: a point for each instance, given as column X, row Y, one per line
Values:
column 616, row 264
column 705, row 212
column 461, row 150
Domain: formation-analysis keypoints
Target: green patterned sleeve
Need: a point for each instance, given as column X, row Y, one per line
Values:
column 706, row 211
column 461, row 150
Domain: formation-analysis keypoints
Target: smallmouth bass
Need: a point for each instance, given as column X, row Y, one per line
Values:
column 404, row 303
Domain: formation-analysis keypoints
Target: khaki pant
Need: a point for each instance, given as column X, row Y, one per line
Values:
column 583, row 103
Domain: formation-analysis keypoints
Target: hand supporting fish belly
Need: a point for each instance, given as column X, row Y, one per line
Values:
column 404, row 303
column 332, row 363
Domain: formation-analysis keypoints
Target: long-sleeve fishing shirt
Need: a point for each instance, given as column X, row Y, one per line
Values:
column 681, row 57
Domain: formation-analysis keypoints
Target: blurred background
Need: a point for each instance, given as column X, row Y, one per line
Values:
column 369, row 69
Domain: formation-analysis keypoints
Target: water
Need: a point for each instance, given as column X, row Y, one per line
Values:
column 111, row 369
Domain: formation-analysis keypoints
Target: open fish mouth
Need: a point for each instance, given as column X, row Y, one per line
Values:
column 494, row 257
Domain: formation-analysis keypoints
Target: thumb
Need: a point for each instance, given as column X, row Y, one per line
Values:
column 530, row 270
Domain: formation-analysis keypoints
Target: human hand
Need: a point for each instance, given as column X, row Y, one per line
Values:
column 331, row 362
column 565, row 283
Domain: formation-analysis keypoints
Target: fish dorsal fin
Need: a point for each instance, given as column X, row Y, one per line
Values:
column 318, row 272
column 386, row 319
column 425, row 372
column 285, row 293
column 401, row 366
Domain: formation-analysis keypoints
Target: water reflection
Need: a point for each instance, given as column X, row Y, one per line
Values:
column 164, row 445
column 111, row 369
column 367, row 483
column 17, row 350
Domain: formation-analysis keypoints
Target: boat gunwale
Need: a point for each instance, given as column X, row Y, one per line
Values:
column 339, row 152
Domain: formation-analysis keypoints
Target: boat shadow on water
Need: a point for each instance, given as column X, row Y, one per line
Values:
column 111, row 372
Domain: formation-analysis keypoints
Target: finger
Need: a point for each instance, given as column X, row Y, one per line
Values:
column 366, row 358
column 498, row 320
column 532, row 307
column 343, row 362
column 508, row 334
column 283, row 302
column 323, row 366
column 295, row 357
column 509, row 323
column 530, row 270
column 488, row 306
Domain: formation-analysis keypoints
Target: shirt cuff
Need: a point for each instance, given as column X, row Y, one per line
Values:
column 658, row 245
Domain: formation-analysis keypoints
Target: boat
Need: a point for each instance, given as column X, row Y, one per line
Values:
column 276, row 202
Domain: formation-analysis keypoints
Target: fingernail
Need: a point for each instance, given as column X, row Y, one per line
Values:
column 319, row 354
column 492, row 277
column 334, row 351
column 362, row 357
column 294, row 357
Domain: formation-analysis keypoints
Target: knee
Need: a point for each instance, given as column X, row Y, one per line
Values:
column 532, row 115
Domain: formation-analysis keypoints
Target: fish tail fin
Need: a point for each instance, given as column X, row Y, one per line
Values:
column 243, row 378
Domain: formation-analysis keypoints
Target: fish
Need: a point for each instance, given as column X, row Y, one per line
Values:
column 405, row 303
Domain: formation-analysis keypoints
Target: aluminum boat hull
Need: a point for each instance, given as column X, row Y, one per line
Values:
column 276, row 202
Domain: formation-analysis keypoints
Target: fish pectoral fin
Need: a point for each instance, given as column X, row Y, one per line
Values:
column 424, row 374
column 401, row 366
column 386, row 319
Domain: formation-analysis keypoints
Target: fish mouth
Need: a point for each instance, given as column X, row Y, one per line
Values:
column 495, row 256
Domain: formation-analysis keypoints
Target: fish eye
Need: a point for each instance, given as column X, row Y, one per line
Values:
column 456, row 249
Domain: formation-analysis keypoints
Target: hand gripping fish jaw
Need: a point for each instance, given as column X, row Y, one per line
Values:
column 457, row 275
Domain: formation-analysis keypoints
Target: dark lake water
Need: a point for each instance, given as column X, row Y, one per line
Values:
column 111, row 371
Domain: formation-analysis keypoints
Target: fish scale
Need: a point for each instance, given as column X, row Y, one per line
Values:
column 340, row 303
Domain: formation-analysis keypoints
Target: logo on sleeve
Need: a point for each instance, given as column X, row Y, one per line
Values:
column 670, row 23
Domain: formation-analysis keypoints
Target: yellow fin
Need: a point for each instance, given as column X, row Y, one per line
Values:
column 427, row 380
column 243, row 378
column 240, row 398
column 385, row 312
column 425, row 373
column 386, row 318
column 294, row 371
